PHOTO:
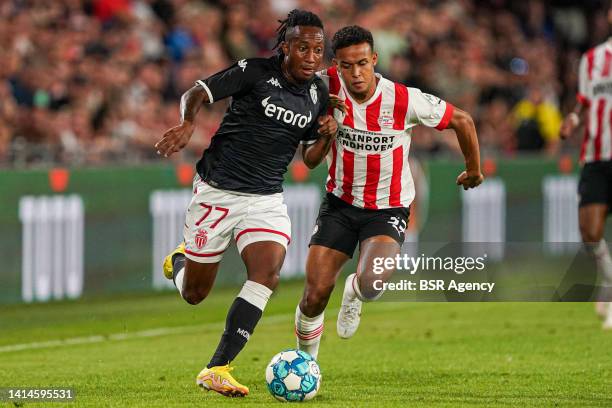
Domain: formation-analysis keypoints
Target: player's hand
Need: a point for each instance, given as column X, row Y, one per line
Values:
column 336, row 103
column 470, row 179
column 174, row 139
column 327, row 126
column 569, row 125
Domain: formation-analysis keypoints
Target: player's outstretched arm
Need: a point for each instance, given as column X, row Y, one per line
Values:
column 313, row 154
column 572, row 121
column 463, row 124
column 177, row 137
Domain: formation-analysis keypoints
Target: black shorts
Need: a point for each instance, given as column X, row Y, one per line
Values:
column 595, row 185
column 341, row 226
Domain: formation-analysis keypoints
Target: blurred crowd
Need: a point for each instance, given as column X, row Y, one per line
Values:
column 91, row 81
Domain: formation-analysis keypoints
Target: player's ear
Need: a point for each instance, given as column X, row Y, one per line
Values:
column 374, row 58
column 335, row 62
column 285, row 47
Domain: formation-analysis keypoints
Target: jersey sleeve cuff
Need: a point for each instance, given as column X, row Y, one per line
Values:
column 308, row 142
column 203, row 85
column 448, row 114
column 583, row 100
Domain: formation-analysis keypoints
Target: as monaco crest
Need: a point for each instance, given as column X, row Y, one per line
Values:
column 201, row 238
column 313, row 93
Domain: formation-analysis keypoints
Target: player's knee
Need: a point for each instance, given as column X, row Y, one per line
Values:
column 316, row 297
column 193, row 296
column 590, row 233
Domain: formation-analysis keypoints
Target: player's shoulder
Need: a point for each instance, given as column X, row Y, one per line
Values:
column 389, row 85
column 320, row 84
column 256, row 66
column 327, row 73
column 596, row 49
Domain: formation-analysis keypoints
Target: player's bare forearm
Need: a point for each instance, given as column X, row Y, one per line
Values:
column 176, row 138
column 191, row 102
column 464, row 127
column 313, row 154
column 572, row 121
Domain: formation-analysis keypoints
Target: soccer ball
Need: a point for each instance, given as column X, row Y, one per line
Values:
column 293, row 375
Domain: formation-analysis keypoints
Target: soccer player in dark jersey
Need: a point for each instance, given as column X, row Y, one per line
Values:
column 277, row 103
column 369, row 186
column 594, row 108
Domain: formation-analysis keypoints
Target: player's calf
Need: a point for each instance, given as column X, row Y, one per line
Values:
column 309, row 316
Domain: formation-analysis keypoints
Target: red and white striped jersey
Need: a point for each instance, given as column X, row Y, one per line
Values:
column 595, row 93
column 368, row 163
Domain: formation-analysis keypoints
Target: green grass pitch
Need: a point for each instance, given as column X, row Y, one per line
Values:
column 145, row 351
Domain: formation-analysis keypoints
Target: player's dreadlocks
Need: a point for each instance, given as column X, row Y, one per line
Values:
column 351, row 35
column 295, row 18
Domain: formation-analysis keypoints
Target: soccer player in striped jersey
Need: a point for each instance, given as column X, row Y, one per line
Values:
column 369, row 186
column 594, row 109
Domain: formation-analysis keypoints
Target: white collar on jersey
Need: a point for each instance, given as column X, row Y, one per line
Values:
column 374, row 95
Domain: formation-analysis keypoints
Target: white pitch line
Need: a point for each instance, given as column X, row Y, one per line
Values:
column 148, row 333
column 158, row 332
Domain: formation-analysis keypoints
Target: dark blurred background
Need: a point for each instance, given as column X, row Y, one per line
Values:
column 97, row 81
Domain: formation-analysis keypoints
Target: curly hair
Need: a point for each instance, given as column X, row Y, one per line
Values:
column 295, row 18
column 351, row 35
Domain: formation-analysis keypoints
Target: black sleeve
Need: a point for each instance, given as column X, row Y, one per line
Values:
column 312, row 135
column 235, row 80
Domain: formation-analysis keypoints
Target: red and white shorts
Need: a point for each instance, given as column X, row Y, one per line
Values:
column 214, row 216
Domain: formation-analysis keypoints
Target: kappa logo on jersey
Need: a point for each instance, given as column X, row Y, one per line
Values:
column 313, row 93
column 201, row 238
column 286, row 115
column 242, row 64
column 274, row 82
column 399, row 225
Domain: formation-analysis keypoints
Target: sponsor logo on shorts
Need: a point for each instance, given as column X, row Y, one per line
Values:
column 201, row 238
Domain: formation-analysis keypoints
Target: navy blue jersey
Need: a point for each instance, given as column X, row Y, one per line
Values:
column 268, row 117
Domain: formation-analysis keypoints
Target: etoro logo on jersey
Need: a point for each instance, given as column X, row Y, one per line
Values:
column 285, row 115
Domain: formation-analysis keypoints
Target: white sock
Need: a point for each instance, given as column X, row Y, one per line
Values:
column 256, row 294
column 604, row 262
column 356, row 291
column 308, row 331
column 353, row 291
column 178, row 280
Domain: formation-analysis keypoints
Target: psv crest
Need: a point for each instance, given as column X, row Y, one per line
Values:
column 201, row 238
column 385, row 120
column 313, row 93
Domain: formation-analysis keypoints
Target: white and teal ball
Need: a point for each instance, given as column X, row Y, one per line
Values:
column 293, row 375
